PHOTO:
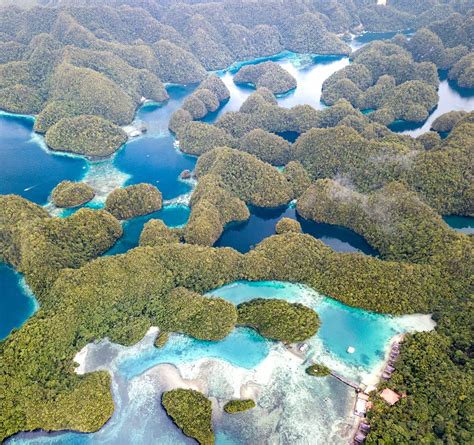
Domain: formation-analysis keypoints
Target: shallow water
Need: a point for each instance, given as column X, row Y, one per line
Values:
column 17, row 303
column 243, row 365
column 285, row 394
column 244, row 236
column 309, row 71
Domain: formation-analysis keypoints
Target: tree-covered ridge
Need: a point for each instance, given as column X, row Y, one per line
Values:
column 397, row 223
column 384, row 77
column 229, row 180
column 40, row 246
column 376, row 78
column 442, row 176
column 213, row 206
column 207, row 98
column 71, row 194
column 135, row 291
column 122, row 296
column 192, row 413
column 95, row 60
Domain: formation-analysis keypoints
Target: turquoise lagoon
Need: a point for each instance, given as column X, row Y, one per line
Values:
column 242, row 365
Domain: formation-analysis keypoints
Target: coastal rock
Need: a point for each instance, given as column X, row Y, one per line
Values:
column 186, row 174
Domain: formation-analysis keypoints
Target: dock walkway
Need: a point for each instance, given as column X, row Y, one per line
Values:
column 342, row 379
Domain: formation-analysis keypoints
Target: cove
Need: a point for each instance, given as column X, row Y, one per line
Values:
column 310, row 71
column 464, row 224
column 28, row 168
column 244, row 236
column 243, row 361
column 155, row 160
column 172, row 216
column 17, row 303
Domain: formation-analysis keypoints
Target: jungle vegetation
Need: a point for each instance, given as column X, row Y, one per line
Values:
column 318, row 370
column 238, row 406
column 71, row 194
column 191, row 411
column 91, row 136
column 268, row 75
column 86, row 65
column 134, row 200
column 278, row 319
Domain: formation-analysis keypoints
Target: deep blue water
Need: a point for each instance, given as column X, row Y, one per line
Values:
column 26, row 168
column 16, row 305
column 155, row 161
column 172, row 216
column 157, row 115
column 464, row 224
column 244, row 236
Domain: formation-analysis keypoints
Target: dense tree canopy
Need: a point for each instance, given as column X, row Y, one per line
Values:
column 278, row 319
column 238, row 406
column 134, row 200
column 91, row 136
column 191, row 411
column 268, row 75
column 84, row 67
column 71, row 194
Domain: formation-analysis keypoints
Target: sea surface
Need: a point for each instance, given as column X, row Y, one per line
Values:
column 464, row 224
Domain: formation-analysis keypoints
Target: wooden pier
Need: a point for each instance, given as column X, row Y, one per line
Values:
column 347, row 382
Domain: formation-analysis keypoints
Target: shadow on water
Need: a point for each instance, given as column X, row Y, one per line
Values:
column 244, row 236
column 172, row 216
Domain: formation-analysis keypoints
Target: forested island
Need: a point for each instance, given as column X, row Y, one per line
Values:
column 84, row 68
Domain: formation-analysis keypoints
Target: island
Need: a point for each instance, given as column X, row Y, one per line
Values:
column 69, row 194
column 268, row 75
